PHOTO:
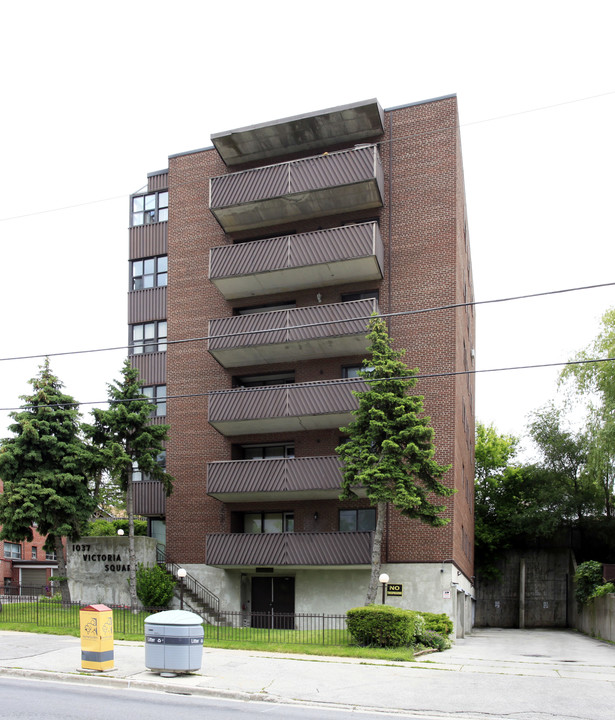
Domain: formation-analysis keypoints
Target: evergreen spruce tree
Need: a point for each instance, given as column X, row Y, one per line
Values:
column 44, row 468
column 390, row 451
column 125, row 434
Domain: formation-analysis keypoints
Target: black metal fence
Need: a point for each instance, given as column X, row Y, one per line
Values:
column 287, row 628
column 233, row 626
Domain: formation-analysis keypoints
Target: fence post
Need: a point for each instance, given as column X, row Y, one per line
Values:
column 323, row 628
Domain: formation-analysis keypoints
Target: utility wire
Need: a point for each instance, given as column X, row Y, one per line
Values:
column 401, row 313
column 328, row 383
column 379, row 142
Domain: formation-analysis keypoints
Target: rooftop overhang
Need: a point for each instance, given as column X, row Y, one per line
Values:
column 313, row 131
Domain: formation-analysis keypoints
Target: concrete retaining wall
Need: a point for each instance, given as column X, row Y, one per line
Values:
column 598, row 618
column 98, row 568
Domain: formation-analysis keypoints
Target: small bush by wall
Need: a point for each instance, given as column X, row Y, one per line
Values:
column 384, row 626
column 155, row 586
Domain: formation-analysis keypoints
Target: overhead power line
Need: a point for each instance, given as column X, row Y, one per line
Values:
column 329, row 383
column 390, row 141
column 401, row 313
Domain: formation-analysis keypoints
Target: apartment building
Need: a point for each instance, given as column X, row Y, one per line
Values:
column 255, row 265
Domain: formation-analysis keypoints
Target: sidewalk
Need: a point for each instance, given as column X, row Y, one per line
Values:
column 520, row 673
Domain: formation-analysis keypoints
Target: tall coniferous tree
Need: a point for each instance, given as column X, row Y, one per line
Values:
column 390, row 449
column 44, row 468
column 125, row 436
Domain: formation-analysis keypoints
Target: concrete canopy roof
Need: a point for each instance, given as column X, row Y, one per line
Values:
column 313, row 131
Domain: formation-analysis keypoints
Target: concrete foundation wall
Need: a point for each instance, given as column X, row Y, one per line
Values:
column 426, row 587
column 98, row 568
column 598, row 618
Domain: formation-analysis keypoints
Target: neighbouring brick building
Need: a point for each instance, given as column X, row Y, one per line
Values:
column 267, row 253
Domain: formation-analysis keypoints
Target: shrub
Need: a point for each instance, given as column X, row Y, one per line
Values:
column 601, row 590
column 587, row 578
column 106, row 528
column 383, row 626
column 438, row 622
column 433, row 639
column 154, row 586
column 55, row 598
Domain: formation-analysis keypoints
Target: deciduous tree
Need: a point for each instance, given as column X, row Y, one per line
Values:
column 390, row 449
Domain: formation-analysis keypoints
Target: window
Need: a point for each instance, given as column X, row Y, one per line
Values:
column 138, row 475
column 51, row 555
column 264, row 522
column 352, row 371
column 285, row 378
column 12, row 550
column 148, row 273
column 158, row 397
column 349, row 297
column 150, row 208
column 148, row 337
column 33, row 553
column 261, row 452
column 255, row 309
column 363, row 520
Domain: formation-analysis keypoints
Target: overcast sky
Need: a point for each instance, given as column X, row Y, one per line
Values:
column 96, row 95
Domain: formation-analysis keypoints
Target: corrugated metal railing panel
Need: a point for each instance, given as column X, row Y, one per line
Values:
column 158, row 181
column 147, row 305
column 229, row 330
column 148, row 240
column 285, row 401
column 152, row 367
column 283, row 549
column 329, row 170
column 149, row 498
column 281, row 326
column 274, row 475
column 294, row 251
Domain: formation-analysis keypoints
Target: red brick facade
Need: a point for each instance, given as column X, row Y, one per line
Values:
column 426, row 265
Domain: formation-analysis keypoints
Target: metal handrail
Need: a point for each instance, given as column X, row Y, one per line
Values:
column 208, row 599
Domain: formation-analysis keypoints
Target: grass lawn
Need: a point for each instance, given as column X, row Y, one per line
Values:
column 53, row 619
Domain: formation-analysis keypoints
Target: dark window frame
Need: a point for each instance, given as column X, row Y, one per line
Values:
column 149, row 208
column 140, row 279
column 156, row 342
column 365, row 512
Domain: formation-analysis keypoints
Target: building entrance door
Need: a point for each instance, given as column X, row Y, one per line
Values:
column 273, row 602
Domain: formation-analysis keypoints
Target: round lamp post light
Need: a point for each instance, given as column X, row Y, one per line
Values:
column 383, row 579
column 181, row 574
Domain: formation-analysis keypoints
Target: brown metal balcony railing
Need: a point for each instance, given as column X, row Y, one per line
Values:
column 327, row 184
column 275, row 479
column 303, row 406
column 288, row 549
column 318, row 331
column 353, row 253
column 149, row 498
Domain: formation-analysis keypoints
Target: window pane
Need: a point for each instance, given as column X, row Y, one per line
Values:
column 150, row 202
column 137, row 203
column 148, row 281
column 273, row 523
column 163, row 263
column 149, row 331
column 137, row 332
column 348, row 520
column 253, row 453
column 289, row 522
column 148, row 391
column 149, row 217
column 163, row 215
column 163, row 199
column 149, row 266
column 137, row 283
column 366, row 520
column 276, row 451
column 162, row 280
column 137, row 268
column 252, row 523
column 162, row 329
column 137, row 218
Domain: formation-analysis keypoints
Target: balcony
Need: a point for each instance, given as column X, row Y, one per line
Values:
column 318, row 331
column 313, row 187
column 284, row 408
column 149, row 498
column 310, row 132
column 337, row 549
column 302, row 478
column 349, row 254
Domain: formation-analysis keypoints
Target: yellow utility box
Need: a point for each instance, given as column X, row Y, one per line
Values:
column 96, row 623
